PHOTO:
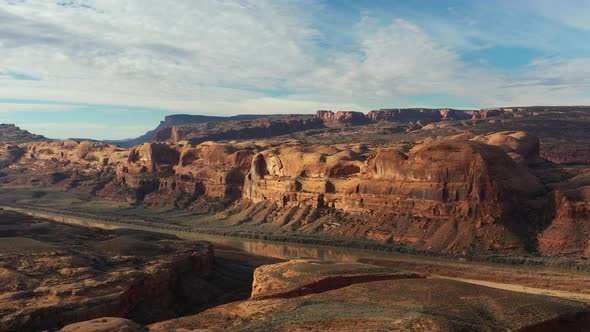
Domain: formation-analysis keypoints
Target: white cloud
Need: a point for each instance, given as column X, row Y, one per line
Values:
column 573, row 13
column 394, row 60
column 186, row 55
column 144, row 53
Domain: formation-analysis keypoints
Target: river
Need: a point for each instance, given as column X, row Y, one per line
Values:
column 435, row 267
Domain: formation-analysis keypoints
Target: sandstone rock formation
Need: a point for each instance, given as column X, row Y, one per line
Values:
column 54, row 274
column 417, row 114
column 184, row 171
column 566, row 154
column 488, row 113
column 342, row 119
column 10, row 154
column 569, row 210
column 441, row 182
column 404, row 115
column 105, row 324
column 520, row 146
column 300, row 277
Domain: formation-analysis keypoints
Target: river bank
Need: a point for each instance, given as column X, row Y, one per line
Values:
column 528, row 279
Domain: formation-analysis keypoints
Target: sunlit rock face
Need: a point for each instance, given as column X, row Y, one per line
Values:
column 454, row 177
column 166, row 171
column 342, row 119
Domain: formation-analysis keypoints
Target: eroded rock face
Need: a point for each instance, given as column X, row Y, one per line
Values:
column 488, row 113
column 568, row 233
column 408, row 115
column 172, row 173
column 10, row 154
column 300, row 277
column 89, row 153
column 105, row 324
column 342, row 119
column 566, row 155
column 519, row 145
column 442, row 178
column 79, row 166
column 417, row 114
column 447, row 194
column 54, row 274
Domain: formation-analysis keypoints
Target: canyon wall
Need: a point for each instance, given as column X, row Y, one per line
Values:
column 463, row 193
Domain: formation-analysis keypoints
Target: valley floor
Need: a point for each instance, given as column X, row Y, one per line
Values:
column 550, row 277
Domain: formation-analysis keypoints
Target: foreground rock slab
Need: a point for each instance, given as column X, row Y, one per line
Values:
column 301, row 277
column 106, row 324
column 414, row 304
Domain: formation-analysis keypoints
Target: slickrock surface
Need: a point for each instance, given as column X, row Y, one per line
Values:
column 54, row 274
column 399, row 305
column 106, row 324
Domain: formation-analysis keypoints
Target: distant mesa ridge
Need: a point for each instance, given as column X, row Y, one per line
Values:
column 181, row 119
column 199, row 128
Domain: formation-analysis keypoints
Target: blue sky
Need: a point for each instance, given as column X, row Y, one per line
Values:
column 114, row 69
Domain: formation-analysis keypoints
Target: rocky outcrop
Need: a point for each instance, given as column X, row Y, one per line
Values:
column 72, row 165
column 402, row 304
column 403, row 115
column 87, row 153
column 568, row 232
column 303, row 276
column 105, row 324
column 152, row 158
column 54, row 274
column 417, row 114
column 10, row 154
column 176, row 174
column 519, row 145
column 441, row 178
column 342, row 119
column 431, row 198
column 565, row 154
column 488, row 113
